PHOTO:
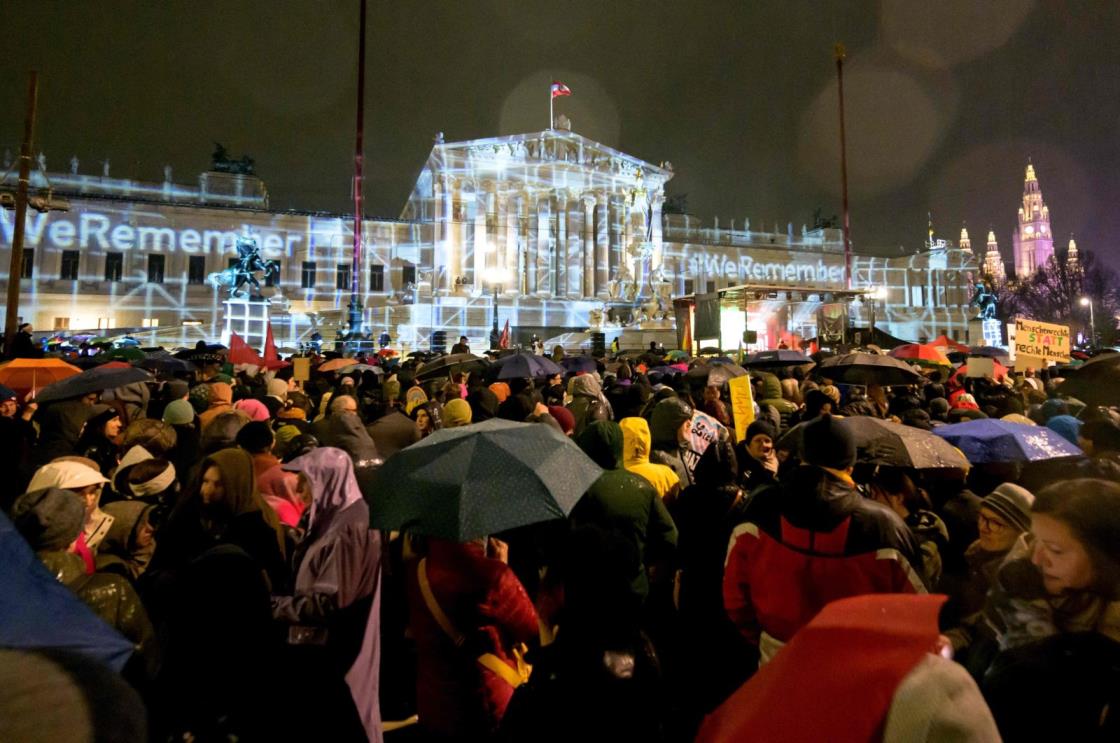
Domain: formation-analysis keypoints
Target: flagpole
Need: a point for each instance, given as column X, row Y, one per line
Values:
column 551, row 98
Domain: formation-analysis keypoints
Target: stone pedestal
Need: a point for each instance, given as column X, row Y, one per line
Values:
column 985, row 333
column 248, row 318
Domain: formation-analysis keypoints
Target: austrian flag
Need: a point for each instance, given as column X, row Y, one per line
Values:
column 559, row 89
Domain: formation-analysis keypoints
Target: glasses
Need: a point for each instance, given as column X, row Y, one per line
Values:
column 992, row 524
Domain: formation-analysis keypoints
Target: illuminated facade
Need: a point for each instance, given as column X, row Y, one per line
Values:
column 549, row 230
column 1033, row 242
column 993, row 261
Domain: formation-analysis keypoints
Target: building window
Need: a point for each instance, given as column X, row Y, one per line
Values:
column 377, row 278
column 196, row 269
column 408, row 275
column 342, row 277
column 28, row 263
column 114, row 266
column 149, row 322
column 307, row 275
column 62, row 323
column 688, row 286
column 272, row 278
column 69, row 268
column 155, row 269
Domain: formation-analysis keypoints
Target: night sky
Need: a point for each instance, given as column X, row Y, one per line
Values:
column 946, row 100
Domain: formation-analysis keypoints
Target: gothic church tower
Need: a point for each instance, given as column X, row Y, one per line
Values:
column 1033, row 242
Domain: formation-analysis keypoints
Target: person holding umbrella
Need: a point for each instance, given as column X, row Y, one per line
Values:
column 893, row 487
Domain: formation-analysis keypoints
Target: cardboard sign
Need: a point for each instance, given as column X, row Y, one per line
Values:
column 1042, row 340
column 301, row 369
column 742, row 405
column 705, row 429
column 981, row 366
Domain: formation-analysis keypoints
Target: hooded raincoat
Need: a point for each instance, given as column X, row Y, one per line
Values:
column 635, row 458
column 588, row 403
column 221, row 400
column 335, row 603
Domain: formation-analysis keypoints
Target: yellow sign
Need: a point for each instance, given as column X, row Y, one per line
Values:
column 1042, row 340
column 742, row 406
column 301, row 369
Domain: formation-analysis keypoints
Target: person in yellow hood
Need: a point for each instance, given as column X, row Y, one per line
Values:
column 635, row 458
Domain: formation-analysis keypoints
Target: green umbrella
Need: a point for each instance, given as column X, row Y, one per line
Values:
column 129, row 353
column 464, row 483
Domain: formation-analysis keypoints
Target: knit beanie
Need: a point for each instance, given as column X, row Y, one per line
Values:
column 827, row 442
column 278, row 388
column 1012, row 503
column 1065, row 426
column 456, row 413
column 1053, row 407
column 178, row 413
column 176, row 389
column 49, row 518
column 200, row 397
column 255, row 436
column 564, row 417
column 255, row 409
column 761, row 428
column 284, row 435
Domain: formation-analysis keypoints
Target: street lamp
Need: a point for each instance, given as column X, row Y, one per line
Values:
column 495, row 277
column 1088, row 302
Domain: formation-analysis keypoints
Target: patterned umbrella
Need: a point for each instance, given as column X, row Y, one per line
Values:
column 468, row 482
column 991, row 440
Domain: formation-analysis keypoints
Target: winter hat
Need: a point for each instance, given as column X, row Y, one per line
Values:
column 255, row 436
column 291, row 412
column 815, row 399
column 278, row 388
column 1065, row 426
column 833, row 393
column 500, row 390
column 65, row 474
column 200, row 397
column 154, row 435
column 151, row 479
column 456, row 413
column 1053, row 407
column 178, row 413
column 176, row 389
column 7, row 393
column 1018, row 418
column 484, row 404
column 255, row 409
column 284, row 435
column 1013, row 503
column 760, row 428
column 564, row 417
column 826, row 442
column 49, row 518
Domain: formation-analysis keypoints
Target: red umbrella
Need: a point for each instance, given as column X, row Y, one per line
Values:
column 922, row 355
column 947, row 342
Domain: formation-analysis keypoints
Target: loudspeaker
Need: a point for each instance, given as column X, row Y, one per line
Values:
column 439, row 341
column 750, row 336
column 598, row 345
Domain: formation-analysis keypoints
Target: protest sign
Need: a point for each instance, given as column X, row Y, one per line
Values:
column 742, row 405
column 1041, row 340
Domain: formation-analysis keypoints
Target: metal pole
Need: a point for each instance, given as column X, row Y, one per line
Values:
column 355, row 309
column 16, row 264
column 841, row 53
column 1092, row 324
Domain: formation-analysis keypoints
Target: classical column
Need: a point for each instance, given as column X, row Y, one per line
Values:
column 657, row 199
column 482, row 237
column 602, row 243
column 559, row 240
column 614, row 227
column 588, row 245
column 439, row 235
column 530, row 228
column 573, row 263
column 544, row 245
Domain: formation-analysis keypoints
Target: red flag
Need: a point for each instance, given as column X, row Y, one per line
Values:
column 271, row 355
column 503, row 339
column 559, row 89
column 241, row 352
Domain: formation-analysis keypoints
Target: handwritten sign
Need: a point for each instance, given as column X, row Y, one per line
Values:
column 1041, row 340
column 742, row 406
column 705, row 429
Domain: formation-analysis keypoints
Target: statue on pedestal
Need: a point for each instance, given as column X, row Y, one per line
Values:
column 249, row 262
column 985, row 299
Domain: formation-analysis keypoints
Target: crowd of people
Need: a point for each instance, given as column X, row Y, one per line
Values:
column 220, row 521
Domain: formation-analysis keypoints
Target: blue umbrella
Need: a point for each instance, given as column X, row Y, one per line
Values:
column 40, row 612
column 579, row 363
column 992, row 440
column 526, row 365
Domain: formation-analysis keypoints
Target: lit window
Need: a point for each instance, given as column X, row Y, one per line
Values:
column 150, row 322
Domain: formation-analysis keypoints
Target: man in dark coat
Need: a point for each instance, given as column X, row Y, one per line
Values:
column 393, row 431
column 812, row 540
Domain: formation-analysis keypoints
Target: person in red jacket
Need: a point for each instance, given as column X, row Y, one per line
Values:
column 812, row 540
column 474, row 606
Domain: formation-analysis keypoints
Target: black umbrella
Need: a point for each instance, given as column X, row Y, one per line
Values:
column 714, row 374
column 98, row 379
column 167, row 364
column 888, row 443
column 526, row 365
column 1096, row 382
column 468, row 482
column 776, row 359
column 579, row 363
column 452, row 362
column 867, row 368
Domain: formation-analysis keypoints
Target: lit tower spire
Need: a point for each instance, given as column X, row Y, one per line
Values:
column 965, row 244
column 993, row 262
column 1072, row 259
column 1033, row 242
